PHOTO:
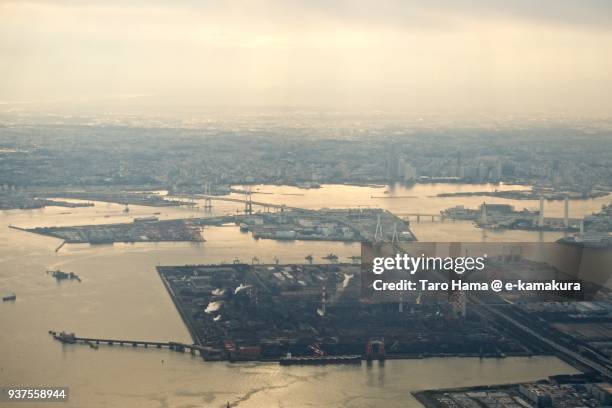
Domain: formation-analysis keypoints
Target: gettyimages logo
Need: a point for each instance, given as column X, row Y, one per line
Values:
column 551, row 271
column 412, row 264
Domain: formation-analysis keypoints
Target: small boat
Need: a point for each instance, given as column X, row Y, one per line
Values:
column 331, row 257
column 9, row 298
column 61, row 275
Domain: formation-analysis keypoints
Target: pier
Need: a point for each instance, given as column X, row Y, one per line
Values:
column 208, row 353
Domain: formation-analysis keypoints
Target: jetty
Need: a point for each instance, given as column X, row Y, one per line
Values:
column 208, row 353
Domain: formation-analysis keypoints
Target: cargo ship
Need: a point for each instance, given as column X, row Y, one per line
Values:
column 9, row 298
column 61, row 275
column 320, row 360
column 331, row 257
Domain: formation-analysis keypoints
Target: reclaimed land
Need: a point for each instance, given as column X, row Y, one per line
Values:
column 263, row 312
column 19, row 201
column 156, row 231
column 126, row 198
column 350, row 225
column 579, row 390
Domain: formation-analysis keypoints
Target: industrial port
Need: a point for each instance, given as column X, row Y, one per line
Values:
column 351, row 225
column 504, row 216
column 267, row 312
column 137, row 231
column 328, row 225
column 318, row 313
column 563, row 391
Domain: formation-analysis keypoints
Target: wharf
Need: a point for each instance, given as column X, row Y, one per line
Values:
column 208, row 353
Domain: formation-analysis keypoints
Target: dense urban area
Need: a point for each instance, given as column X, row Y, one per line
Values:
column 573, row 158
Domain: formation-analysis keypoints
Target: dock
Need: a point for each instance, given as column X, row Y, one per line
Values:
column 208, row 353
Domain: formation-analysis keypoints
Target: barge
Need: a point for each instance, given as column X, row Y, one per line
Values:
column 320, row 360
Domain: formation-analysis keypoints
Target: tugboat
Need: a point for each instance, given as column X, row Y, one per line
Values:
column 61, row 275
column 9, row 298
column 331, row 257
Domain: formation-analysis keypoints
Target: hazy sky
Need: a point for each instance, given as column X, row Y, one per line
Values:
column 435, row 56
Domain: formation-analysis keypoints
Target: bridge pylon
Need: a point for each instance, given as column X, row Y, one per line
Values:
column 207, row 200
column 248, row 202
column 378, row 233
column 395, row 238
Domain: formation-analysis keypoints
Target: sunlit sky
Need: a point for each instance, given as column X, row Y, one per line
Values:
column 519, row 56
